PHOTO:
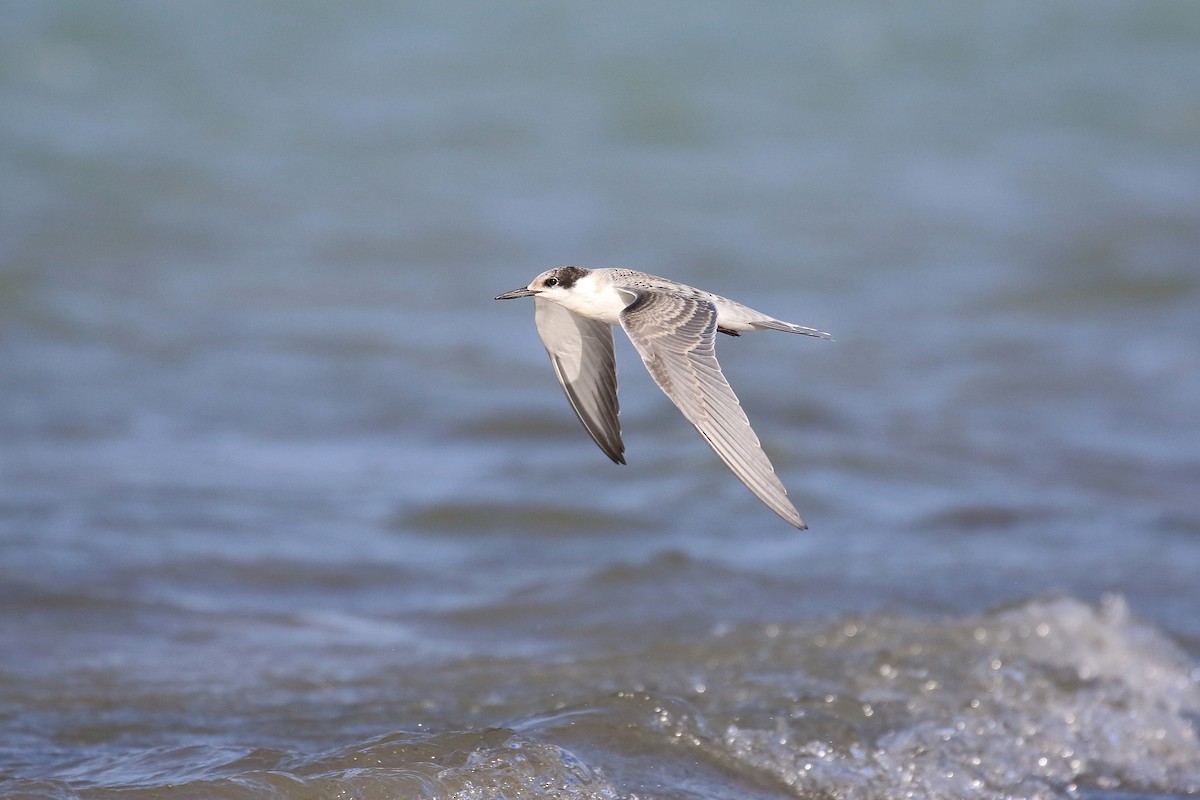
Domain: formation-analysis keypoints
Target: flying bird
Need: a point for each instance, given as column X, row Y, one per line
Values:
column 674, row 328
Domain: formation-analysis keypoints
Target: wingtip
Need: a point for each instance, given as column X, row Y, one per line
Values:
column 792, row 517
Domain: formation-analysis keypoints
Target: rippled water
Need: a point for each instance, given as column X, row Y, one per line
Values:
column 290, row 508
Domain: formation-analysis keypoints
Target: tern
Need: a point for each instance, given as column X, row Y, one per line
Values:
column 674, row 328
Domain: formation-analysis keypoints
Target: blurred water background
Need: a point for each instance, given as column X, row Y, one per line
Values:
column 290, row 507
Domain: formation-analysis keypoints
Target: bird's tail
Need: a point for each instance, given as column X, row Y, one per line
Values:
column 789, row 327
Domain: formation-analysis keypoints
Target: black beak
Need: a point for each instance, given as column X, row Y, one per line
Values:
column 515, row 293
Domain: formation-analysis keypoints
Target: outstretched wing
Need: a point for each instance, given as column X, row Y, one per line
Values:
column 581, row 351
column 676, row 337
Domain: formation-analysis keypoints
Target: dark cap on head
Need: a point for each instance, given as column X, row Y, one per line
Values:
column 568, row 275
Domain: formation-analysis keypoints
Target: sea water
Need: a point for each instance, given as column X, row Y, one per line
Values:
column 290, row 508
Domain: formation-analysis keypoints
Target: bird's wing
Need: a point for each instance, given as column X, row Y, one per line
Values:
column 581, row 351
column 676, row 337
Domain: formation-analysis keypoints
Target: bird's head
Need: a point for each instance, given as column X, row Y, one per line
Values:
column 551, row 284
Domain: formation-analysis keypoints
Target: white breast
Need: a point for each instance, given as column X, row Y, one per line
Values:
column 595, row 297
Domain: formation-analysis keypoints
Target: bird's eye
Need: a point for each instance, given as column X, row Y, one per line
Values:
column 552, row 281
